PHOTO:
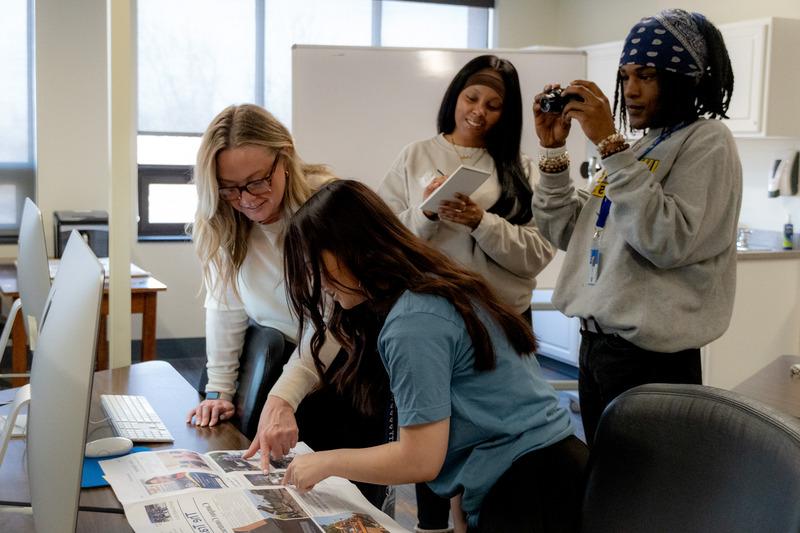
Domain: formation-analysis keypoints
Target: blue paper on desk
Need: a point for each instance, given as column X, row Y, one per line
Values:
column 93, row 474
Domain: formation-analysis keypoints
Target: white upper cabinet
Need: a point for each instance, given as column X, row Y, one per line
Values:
column 602, row 63
column 765, row 55
column 746, row 43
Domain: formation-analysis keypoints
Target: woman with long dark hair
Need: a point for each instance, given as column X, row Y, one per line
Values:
column 476, row 418
column 492, row 231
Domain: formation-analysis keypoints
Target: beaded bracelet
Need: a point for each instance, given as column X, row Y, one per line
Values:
column 554, row 165
column 614, row 138
column 611, row 149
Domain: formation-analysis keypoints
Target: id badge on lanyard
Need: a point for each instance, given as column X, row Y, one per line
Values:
column 605, row 207
column 594, row 251
column 599, row 190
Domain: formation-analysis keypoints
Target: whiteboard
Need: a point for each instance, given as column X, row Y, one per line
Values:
column 355, row 108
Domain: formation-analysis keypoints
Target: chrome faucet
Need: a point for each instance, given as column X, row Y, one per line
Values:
column 743, row 238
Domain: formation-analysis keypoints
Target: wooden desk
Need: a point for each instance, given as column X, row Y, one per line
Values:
column 144, row 293
column 88, row 522
column 774, row 386
column 169, row 394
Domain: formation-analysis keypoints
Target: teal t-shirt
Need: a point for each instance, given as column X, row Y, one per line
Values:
column 495, row 416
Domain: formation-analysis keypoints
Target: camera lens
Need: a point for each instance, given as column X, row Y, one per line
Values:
column 552, row 102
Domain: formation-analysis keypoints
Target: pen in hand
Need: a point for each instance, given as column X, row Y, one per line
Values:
column 440, row 172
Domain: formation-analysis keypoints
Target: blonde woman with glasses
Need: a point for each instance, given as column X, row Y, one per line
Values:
column 249, row 180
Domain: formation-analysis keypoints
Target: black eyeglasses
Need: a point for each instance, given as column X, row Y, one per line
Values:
column 255, row 187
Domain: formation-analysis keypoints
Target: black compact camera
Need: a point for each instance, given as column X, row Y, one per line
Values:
column 554, row 101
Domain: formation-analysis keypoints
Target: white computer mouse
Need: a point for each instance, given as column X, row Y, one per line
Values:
column 108, row 446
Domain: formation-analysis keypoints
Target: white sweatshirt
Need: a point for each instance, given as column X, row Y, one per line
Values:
column 508, row 256
column 263, row 299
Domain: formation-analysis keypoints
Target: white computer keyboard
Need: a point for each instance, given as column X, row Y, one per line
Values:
column 133, row 417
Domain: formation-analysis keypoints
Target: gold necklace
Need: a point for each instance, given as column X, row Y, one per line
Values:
column 462, row 157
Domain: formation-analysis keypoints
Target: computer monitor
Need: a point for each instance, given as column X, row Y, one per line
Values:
column 33, row 274
column 61, row 386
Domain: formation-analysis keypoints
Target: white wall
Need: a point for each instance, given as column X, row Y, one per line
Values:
column 519, row 23
column 582, row 22
column 180, row 310
column 71, row 108
column 759, row 211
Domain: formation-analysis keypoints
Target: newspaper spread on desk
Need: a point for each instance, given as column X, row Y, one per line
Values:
column 182, row 491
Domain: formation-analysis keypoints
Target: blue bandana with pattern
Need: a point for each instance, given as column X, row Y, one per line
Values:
column 670, row 40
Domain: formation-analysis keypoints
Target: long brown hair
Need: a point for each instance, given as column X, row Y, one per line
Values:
column 349, row 220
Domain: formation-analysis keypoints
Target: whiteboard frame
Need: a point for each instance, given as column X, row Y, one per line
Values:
column 340, row 124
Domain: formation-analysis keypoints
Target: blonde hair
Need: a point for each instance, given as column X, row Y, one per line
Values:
column 219, row 231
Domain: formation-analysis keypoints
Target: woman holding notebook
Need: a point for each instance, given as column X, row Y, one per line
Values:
column 492, row 232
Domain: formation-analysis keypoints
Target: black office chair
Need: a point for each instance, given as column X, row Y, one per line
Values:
column 689, row 458
column 257, row 374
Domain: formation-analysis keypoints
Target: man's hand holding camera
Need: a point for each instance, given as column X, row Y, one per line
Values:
column 583, row 101
column 551, row 128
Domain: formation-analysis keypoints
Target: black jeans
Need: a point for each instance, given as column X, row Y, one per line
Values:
column 610, row 365
column 433, row 512
column 540, row 493
column 328, row 420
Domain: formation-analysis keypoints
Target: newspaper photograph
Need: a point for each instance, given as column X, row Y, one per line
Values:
column 181, row 491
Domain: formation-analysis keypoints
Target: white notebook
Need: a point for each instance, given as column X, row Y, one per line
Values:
column 464, row 180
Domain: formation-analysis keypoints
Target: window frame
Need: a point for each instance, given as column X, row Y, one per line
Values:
column 478, row 37
column 160, row 174
column 22, row 174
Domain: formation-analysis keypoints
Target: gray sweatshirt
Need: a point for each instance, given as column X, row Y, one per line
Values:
column 508, row 256
column 667, row 273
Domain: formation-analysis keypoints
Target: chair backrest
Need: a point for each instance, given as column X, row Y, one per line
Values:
column 33, row 274
column 264, row 353
column 691, row 458
column 61, row 386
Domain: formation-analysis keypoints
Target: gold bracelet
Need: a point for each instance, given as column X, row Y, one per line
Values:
column 614, row 138
column 611, row 149
column 554, row 165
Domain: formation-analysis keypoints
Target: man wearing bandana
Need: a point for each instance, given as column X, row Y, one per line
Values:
column 650, row 267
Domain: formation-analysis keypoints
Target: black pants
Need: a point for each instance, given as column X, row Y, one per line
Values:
column 327, row 420
column 610, row 365
column 540, row 493
column 433, row 512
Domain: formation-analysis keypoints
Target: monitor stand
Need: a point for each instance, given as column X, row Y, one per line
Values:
column 21, row 399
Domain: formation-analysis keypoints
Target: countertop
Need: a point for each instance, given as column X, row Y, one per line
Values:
column 767, row 254
column 765, row 244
